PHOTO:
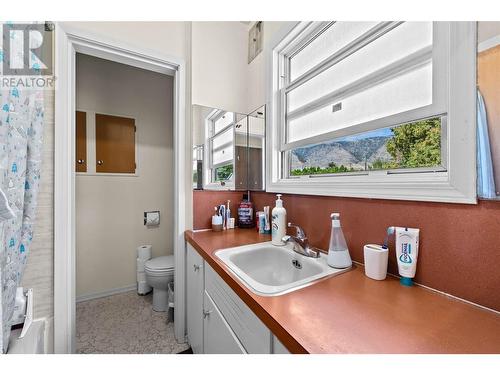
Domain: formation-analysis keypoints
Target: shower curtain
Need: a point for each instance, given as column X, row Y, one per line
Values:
column 485, row 178
column 21, row 130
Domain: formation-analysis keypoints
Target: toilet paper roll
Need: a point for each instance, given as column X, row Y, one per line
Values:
column 143, row 288
column 144, row 252
column 141, row 264
column 141, row 277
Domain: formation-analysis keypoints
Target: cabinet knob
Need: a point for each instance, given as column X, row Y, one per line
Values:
column 196, row 267
column 100, row 162
column 206, row 313
column 81, row 161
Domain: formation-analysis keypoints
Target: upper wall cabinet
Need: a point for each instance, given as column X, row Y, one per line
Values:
column 81, row 141
column 114, row 138
column 115, row 144
column 228, row 149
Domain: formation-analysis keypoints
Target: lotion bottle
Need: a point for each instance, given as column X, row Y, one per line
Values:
column 278, row 223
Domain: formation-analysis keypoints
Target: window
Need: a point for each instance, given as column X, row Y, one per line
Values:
column 374, row 109
column 220, row 131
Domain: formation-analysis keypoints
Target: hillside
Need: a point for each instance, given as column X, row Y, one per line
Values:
column 351, row 154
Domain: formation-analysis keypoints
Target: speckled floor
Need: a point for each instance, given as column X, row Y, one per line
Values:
column 124, row 323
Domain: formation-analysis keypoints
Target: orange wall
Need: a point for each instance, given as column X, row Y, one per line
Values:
column 459, row 244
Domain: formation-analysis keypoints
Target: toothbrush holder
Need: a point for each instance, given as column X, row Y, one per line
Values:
column 376, row 258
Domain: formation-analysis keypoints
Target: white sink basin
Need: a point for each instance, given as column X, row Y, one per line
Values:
column 273, row 270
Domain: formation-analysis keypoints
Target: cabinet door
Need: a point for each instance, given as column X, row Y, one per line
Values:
column 115, row 144
column 194, row 290
column 240, row 163
column 81, row 141
column 278, row 347
column 218, row 337
column 251, row 332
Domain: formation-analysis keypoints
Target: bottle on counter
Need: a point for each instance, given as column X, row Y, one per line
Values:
column 338, row 253
column 278, row 230
column 245, row 212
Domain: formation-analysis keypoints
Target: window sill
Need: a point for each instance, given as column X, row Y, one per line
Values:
column 435, row 188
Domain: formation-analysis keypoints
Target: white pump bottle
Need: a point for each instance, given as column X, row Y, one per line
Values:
column 278, row 223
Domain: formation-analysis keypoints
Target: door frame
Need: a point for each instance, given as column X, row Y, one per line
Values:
column 69, row 41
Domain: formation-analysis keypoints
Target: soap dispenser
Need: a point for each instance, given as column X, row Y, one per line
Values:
column 278, row 223
column 338, row 253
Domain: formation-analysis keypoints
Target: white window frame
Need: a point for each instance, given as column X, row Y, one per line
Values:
column 209, row 168
column 454, row 95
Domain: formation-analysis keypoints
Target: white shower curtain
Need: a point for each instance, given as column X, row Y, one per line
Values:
column 21, row 130
column 485, row 178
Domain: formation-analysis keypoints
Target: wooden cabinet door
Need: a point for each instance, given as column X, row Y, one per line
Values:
column 255, row 168
column 218, row 336
column 115, row 144
column 240, row 164
column 81, row 141
column 194, row 290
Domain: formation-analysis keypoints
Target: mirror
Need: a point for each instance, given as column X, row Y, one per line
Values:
column 256, row 149
column 228, row 149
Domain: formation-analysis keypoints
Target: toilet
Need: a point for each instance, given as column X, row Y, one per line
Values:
column 159, row 272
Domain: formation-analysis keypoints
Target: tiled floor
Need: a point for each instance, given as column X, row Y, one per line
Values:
column 124, row 323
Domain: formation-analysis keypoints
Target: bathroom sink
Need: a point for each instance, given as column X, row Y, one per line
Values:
column 273, row 270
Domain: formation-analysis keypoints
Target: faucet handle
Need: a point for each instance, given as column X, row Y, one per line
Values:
column 300, row 231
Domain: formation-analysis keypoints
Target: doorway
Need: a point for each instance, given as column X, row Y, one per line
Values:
column 68, row 44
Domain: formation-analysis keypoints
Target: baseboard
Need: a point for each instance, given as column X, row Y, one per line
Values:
column 105, row 293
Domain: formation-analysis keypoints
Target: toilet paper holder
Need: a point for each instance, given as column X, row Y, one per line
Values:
column 151, row 218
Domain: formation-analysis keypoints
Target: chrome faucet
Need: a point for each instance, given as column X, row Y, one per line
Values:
column 301, row 242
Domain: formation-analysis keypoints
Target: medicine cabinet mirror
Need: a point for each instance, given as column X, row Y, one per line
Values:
column 228, row 149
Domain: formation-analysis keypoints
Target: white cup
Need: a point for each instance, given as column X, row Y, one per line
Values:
column 376, row 258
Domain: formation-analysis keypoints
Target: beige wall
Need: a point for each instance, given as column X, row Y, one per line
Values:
column 487, row 30
column 109, row 209
column 256, row 89
column 222, row 77
column 220, row 69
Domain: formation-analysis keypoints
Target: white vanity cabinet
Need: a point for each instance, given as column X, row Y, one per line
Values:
column 218, row 337
column 218, row 321
column 194, row 301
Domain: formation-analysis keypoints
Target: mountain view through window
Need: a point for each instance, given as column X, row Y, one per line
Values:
column 412, row 145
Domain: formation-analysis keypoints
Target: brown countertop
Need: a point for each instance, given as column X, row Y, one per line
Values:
column 351, row 313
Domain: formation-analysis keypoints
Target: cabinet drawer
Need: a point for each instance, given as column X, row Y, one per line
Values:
column 251, row 332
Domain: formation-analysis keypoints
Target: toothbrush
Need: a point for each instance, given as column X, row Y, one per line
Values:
column 390, row 232
column 222, row 212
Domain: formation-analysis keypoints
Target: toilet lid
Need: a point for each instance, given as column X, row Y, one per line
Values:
column 160, row 263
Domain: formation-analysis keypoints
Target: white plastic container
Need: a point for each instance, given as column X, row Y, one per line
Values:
column 376, row 259
column 407, row 253
column 279, row 223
